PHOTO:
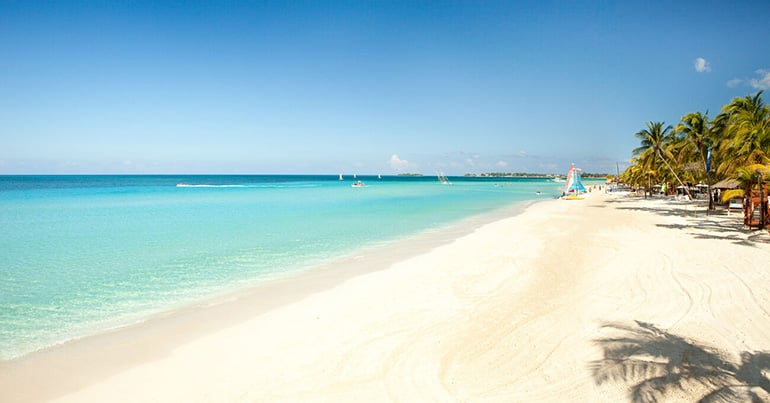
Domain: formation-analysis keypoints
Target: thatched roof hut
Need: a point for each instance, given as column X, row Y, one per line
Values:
column 726, row 184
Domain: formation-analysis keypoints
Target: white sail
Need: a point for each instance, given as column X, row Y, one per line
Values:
column 443, row 179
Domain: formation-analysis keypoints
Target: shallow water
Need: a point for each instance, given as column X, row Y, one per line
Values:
column 82, row 254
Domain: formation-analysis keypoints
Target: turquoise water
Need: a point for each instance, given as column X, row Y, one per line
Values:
column 82, row 254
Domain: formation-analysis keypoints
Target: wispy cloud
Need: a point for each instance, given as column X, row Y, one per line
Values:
column 702, row 65
column 734, row 82
column 763, row 82
column 501, row 164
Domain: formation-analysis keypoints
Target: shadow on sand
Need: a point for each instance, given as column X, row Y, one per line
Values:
column 658, row 365
column 701, row 224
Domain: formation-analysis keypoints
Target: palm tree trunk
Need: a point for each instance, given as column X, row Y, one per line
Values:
column 686, row 189
column 708, row 179
column 647, row 190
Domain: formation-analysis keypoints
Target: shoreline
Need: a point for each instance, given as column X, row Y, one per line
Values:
column 513, row 310
column 446, row 232
column 224, row 309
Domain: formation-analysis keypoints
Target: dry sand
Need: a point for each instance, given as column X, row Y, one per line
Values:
column 514, row 311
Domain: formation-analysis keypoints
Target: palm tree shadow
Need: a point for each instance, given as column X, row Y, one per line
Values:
column 657, row 364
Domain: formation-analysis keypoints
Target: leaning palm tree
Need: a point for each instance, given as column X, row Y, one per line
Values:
column 658, row 364
column 654, row 141
column 696, row 129
column 683, row 160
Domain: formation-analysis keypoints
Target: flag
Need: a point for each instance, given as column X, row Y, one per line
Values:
column 708, row 161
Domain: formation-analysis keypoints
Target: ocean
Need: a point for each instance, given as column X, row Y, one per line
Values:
column 84, row 254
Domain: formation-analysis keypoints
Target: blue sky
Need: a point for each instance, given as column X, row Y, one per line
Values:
column 361, row 87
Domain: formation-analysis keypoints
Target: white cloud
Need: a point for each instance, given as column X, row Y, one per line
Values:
column 501, row 164
column 763, row 82
column 397, row 163
column 701, row 65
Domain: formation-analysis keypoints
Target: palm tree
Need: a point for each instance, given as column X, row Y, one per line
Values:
column 747, row 180
column 751, row 179
column 696, row 129
column 635, row 175
column 746, row 123
column 655, row 139
column 639, row 175
column 684, row 159
column 657, row 363
column 738, row 136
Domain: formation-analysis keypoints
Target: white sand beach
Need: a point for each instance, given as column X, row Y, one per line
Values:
column 514, row 311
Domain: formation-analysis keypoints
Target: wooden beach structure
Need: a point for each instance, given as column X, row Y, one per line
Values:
column 755, row 209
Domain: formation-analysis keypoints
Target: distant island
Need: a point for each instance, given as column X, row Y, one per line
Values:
column 408, row 174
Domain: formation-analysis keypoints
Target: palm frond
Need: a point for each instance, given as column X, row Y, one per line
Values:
column 656, row 389
column 730, row 194
column 730, row 394
column 656, row 363
column 625, row 370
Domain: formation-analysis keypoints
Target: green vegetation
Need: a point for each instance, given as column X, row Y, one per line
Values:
column 733, row 145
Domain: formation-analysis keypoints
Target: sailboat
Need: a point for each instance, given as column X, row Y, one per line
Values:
column 443, row 179
column 574, row 184
column 340, row 176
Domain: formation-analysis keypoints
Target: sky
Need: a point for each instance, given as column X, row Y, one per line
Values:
column 366, row 87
